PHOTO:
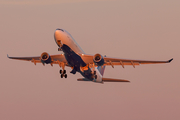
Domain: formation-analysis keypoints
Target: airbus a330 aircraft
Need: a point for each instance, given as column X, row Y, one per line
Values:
column 91, row 67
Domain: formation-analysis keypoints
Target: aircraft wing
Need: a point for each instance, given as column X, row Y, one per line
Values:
column 88, row 59
column 55, row 59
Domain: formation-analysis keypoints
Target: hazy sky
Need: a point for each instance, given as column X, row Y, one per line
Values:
column 45, row 2
column 138, row 29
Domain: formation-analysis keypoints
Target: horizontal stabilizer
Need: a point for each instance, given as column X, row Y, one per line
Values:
column 82, row 79
column 113, row 80
column 105, row 80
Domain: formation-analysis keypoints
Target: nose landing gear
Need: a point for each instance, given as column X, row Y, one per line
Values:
column 63, row 73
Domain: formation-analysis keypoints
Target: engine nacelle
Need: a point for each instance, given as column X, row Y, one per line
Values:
column 98, row 59
column 45, row 58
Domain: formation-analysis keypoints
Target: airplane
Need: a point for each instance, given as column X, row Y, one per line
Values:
column 91, row 67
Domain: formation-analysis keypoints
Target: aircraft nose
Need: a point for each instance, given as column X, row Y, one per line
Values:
column 58, row 35
column 60, row 29
column 58, row 32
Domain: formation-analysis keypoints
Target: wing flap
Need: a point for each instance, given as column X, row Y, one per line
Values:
column 119, row 63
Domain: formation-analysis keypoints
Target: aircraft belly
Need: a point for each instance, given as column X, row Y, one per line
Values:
column 73, row 59
column 87, row 74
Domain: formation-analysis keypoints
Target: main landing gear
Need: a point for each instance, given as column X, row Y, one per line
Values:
column 63, row 73
column 94, row 75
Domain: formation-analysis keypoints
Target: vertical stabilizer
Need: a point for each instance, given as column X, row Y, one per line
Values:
column 101, row 69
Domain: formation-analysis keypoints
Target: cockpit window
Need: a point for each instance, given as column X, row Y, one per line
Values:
column 60, row 29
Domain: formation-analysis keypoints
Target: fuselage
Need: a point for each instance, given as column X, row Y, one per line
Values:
column 73, row 53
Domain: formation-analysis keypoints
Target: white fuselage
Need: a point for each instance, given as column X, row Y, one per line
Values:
column 66, row 38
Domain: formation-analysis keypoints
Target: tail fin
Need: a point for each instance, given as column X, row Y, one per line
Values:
column 101, row 69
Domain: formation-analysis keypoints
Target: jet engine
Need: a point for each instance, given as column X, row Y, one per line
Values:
column 98, row 59
column 45, row 58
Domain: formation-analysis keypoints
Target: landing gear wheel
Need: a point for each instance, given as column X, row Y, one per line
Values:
column 62, row 75
column 95, row 76
column 64, row 72
column 94, row 72
column 65, row 75
column 60, row 71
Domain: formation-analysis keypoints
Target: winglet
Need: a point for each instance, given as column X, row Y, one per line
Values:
column 170, row 60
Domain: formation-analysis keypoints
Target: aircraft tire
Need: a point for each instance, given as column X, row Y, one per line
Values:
column 62, row 75
column 64, row 72
column 95, row 76
column 60, row 71
column 65, row 75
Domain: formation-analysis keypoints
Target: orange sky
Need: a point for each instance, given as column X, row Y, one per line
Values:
column 126, row 29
